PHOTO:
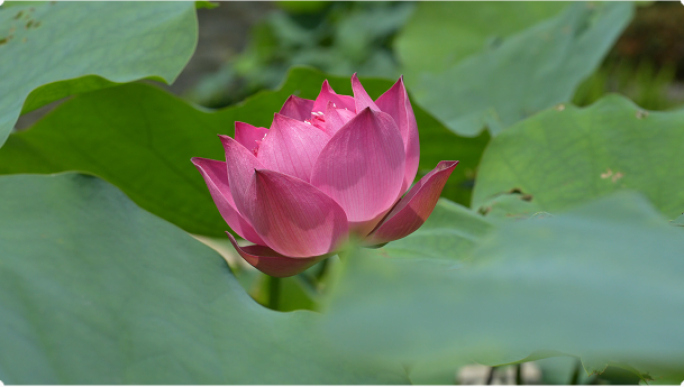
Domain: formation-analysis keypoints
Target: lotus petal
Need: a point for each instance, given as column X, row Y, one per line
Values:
column 215, row 175
column 414, row 208
column 249, row 136
column 272, row 263
column 327, row 94
column 241, row 164
column 395, row 102
column 361, row 99
column 295, row 218
column 297, row 108
column 362, row 166
column 336, row 118
column 292, row 147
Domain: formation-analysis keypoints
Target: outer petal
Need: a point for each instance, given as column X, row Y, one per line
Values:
column 328, row 94
column 249, row 136
column 241, row 165
column 215, row 174
column 297, row 108
column 294, row 218
column 396, row 103
column 362, row 166
column 292, row 147
column 272, row 263
column 361, row 99
column 414, row 208
column 335, row 118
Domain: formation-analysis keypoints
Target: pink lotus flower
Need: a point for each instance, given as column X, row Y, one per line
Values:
column 325, row 169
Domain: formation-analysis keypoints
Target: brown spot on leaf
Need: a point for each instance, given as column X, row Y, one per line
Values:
column 560, row 107
column 614, row 177
column 640, row 114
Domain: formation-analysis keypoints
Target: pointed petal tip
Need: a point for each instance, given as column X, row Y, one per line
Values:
column 446, row 164
column 415, row 207
column 199, row 161
column 325, row 85
column 281, row 117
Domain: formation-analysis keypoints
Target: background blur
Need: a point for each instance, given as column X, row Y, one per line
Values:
column 246, row 46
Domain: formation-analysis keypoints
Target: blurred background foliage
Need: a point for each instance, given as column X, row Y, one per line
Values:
column 385, row 39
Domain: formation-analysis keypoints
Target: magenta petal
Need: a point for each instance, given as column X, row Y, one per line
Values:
column 215, row 175
column 241, row 164
column 327, row 94
column 272, row 263
column 292, row 147
column 297, row 108
column 249, row 136
column 395, row 102
column 361, row 99
column 362, row 166
column 296, row 219
column 414, row 208
column 336, row 118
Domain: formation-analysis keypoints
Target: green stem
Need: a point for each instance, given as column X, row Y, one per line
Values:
column 323, row 269
column 518, row 374
column 490, row 376
column 274, row 293
column 574, row 380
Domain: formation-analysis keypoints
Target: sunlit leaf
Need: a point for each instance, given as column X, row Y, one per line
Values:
column 565, row 156
column 52, row 50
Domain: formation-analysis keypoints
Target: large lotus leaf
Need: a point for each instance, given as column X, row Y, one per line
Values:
column 602, row 281
column 94, row 290
column 141, row 139
column 528, row 72
column 51, row 50
column 564, row 156
column 442, row 33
